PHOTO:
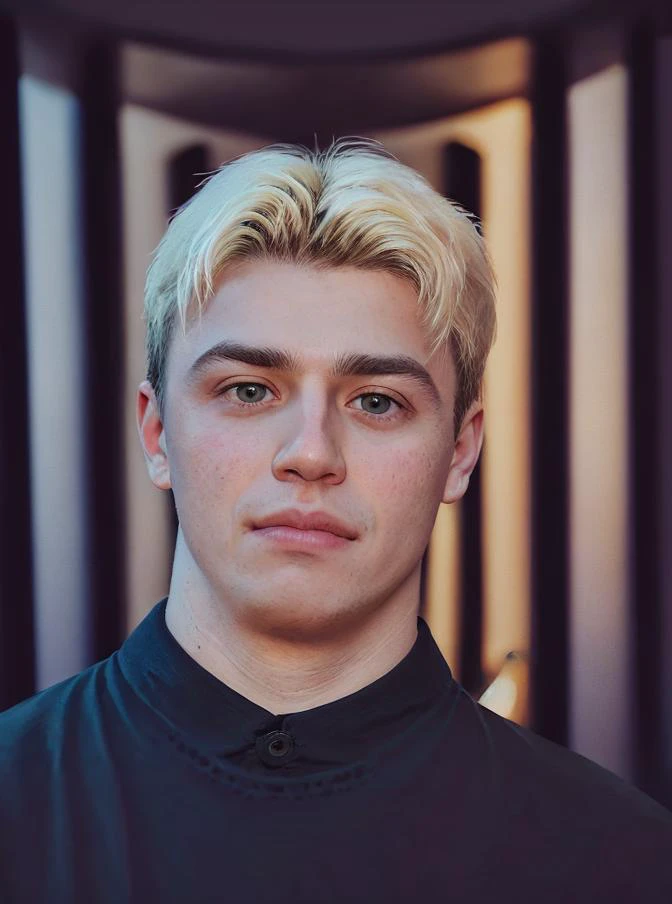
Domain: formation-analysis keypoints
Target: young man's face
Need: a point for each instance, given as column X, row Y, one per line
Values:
column 319, row 432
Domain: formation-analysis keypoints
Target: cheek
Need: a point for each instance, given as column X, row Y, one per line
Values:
column 405, row 483
column 213, row 462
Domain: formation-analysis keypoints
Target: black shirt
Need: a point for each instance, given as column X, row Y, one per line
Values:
column 146, row 779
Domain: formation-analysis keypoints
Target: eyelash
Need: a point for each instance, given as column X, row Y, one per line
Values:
column 376, row 417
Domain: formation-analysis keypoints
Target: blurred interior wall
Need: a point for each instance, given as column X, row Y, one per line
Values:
column 501, row 135
column 601, row 635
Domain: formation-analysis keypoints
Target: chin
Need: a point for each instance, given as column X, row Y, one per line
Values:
column 296, row 614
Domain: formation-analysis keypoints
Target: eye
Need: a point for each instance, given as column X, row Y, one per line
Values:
column 376, row 402
column 247, row 393
column 379, row 406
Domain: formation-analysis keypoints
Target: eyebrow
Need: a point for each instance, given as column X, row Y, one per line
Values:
column 349, row 364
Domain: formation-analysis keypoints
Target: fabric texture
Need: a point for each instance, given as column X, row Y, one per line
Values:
column 146, row 779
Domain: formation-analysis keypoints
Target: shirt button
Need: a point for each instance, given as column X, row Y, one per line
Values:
column 275, row 748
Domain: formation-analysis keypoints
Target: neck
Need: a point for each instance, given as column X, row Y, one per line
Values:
column 275, row 659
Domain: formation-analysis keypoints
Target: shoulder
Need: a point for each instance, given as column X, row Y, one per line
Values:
column 552, row 770
column 37, row 728
column 608, row 833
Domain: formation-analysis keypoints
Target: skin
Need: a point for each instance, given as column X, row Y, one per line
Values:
column 292, row 630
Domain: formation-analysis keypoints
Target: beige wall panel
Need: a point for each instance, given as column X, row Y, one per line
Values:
column 444, row 585
column 600, row 649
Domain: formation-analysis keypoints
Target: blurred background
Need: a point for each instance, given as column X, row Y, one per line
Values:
column 549, row 587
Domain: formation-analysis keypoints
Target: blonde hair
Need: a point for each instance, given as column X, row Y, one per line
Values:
column 351, row 204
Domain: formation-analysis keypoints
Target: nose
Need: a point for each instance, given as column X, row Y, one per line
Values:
column 312, row 450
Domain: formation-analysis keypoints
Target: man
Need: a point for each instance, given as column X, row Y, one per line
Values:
column 283, row 726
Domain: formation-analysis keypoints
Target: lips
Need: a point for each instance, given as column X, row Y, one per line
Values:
column 307, row 521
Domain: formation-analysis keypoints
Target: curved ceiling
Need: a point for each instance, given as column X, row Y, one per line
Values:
column 336, row 27
column 296, row 70
column 298, row 101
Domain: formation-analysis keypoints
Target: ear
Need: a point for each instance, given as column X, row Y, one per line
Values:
column 465, row 455
column 152, row 436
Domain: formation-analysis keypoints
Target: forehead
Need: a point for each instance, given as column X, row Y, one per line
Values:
column 313, row 312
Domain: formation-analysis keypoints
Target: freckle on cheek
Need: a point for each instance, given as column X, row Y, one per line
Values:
column 217, row 457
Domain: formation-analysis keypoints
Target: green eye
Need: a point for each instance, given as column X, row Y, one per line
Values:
column 247, row 394
column 379, row 404
column 250, row 392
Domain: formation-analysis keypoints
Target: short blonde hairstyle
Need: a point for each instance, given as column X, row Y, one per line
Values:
column 352, row 204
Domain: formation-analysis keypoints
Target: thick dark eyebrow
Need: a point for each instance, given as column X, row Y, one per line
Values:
column 346, row 365
column 356, row 364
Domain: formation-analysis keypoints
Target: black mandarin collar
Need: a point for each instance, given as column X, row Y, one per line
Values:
column 211, row 716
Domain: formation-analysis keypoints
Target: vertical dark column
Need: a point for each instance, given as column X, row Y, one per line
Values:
column 101, row 186
column 661, row 785
column 549, row 383
column 462, row 184
column 645, row 414
column 17, row 654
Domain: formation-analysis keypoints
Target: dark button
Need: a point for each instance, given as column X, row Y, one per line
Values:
column 275, row 748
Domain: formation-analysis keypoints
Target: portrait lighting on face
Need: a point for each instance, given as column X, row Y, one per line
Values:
column 282, row 725
column 285, row 416
column 318, row 324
